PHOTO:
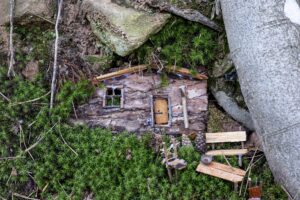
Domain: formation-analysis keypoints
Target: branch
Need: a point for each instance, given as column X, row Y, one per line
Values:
column 11, row 45
column 189, row 14
column 29, row 101
column 4, row 97
column 23, row 196
column 39, row 140
column 55, row 55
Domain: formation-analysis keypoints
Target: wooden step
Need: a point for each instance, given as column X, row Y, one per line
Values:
column 222, row 171
column 227, row 152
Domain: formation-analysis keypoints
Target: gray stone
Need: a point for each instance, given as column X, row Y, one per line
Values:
column 120, row 28
column 35, row 8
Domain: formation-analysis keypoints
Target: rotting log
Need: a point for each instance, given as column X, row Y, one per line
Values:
column 264, row 40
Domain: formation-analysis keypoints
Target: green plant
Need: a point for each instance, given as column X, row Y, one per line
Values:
column 182, row 43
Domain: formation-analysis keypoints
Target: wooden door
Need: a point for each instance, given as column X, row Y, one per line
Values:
column 161, row 114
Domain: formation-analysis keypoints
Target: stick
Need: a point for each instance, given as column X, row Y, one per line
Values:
column 39, row 140
column 121, row 72
column 184, row 106
column 175, row 148
column 55, row 55
column 11, row 45
column 23, row 196
column 189, row 14
column 240, row 192
column 5, row 97
column 166, row 158
column 66, row 142
column 47, row 20
column 29, row 101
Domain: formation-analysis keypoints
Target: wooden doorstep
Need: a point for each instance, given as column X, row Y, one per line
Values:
column 238, row 136
column 222, row 171
column 227, row 152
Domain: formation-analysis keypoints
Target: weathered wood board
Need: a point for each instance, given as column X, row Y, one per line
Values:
column 222, row 171
column 238, row 136
column 227, row 152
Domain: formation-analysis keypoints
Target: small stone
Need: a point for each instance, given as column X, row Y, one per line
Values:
column 14, row 172
column 31, row 70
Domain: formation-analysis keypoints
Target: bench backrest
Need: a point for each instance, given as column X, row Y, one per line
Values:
column 238, row 136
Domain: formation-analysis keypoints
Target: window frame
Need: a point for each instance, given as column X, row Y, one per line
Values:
column 113, row 87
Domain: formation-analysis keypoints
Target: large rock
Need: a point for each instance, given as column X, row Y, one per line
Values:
column 122, row 29
column 40, row 8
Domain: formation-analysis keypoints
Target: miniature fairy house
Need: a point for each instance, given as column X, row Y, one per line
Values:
column 138, row 103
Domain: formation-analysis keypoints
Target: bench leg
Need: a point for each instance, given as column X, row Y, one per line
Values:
column 236, row 187
column 240, row 161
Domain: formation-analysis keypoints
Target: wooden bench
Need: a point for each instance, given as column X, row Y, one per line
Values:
column 238, row 136
column 222, row 171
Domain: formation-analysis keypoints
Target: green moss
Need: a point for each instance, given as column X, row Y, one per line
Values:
column 37, row 41
column 181, row 43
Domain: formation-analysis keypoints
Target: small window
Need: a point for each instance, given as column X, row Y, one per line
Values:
column 113, row 97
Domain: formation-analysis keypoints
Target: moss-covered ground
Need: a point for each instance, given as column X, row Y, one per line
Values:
column 42, row 156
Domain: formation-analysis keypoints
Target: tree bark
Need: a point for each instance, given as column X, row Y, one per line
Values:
column 265, row 47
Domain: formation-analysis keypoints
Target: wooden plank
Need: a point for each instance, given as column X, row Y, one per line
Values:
column 209, row 170
column 237, row 136
column 227, row 152
column 121, row 72
column 228, row 168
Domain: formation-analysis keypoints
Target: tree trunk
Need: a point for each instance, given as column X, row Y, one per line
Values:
column 265, row 47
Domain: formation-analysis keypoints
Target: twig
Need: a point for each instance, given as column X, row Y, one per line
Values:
column 74, row 110
column 66, row 142
column 39, row 140
column 23, row 196
column 11, row 45
column 30, row 101
column 5, row 97
column 47, row 20
column 55, row 55
column 11, row 158
column 240, row 192
column 227, row 162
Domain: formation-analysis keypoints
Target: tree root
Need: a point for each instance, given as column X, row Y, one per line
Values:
column 233, row 109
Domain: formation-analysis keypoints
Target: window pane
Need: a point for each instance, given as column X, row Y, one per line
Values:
column 117, row 91
column 117, row 101
column 109, row 91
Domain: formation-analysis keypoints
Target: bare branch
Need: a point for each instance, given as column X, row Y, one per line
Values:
column 55, row 55
column 5, row 97
column 23, row 196
column 30, row 101
column 11, row 45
